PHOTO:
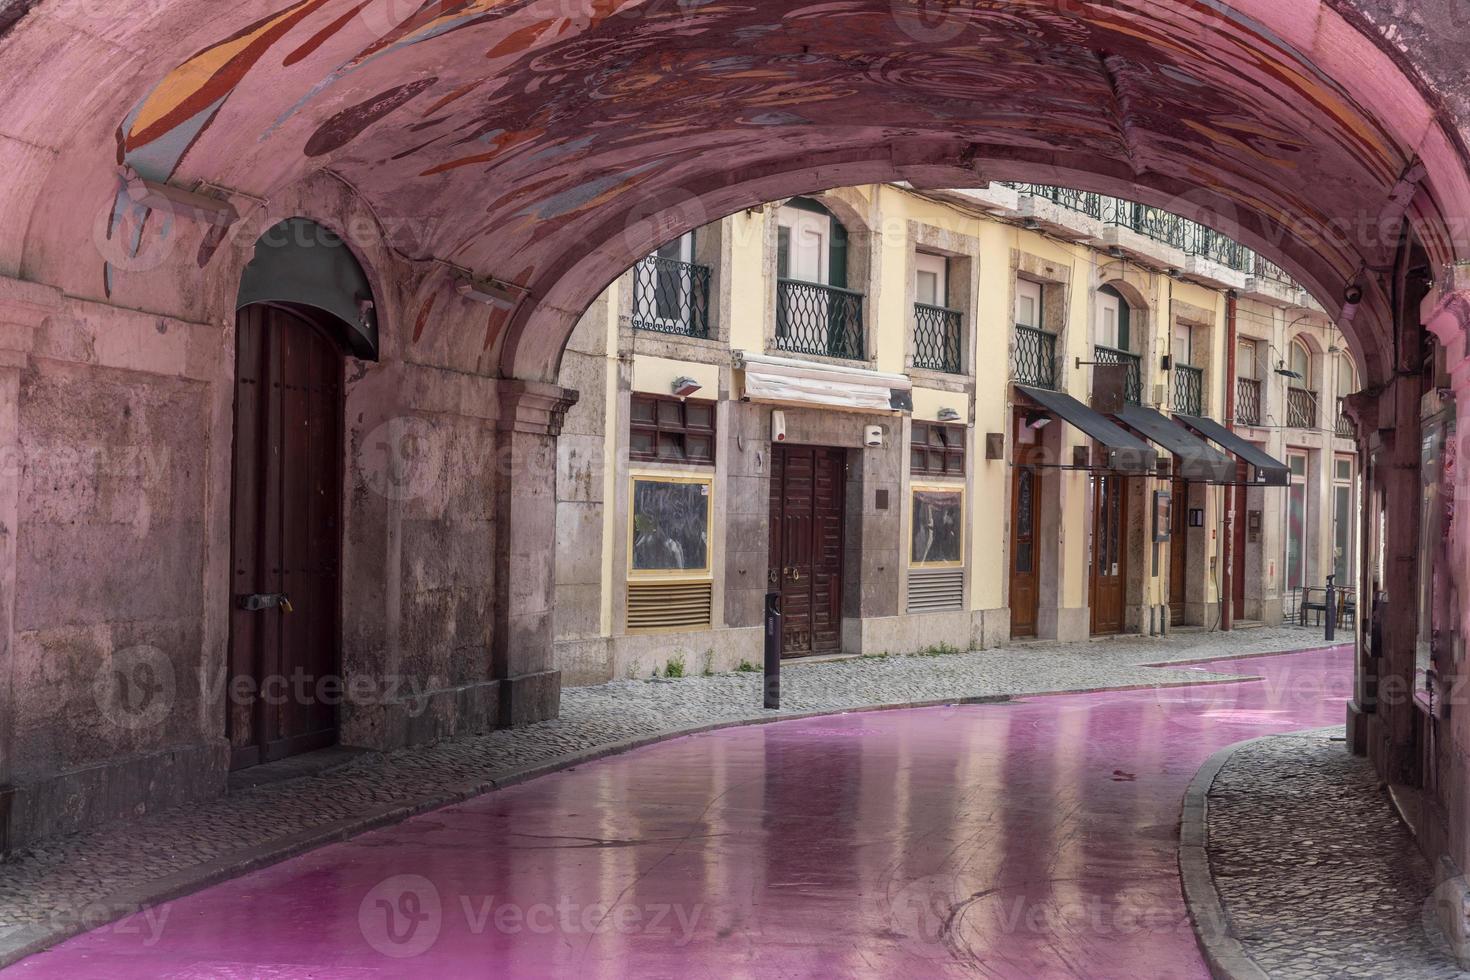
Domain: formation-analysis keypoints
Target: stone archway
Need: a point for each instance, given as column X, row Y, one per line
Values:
column 540, row 153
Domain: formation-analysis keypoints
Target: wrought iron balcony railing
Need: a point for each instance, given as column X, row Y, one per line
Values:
column 1266, row 269
column 670, row 296
column 1189, row 236
column 1189, row 390
column 1035, row 359
column 815, row 319
column 938, row 332
column 1301, row 408
column 1133, row 381
column 1247, row 401
column 1344, row 424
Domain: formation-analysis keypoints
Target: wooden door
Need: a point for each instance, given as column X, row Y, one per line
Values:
column 285, row 538
column 1178, row 550
column 1109, row 512
column 1025, row 543
column 808, row 486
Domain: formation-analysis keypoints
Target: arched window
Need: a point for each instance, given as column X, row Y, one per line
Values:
column 1113, row 315
column 1301, row 365
column 1347, row 377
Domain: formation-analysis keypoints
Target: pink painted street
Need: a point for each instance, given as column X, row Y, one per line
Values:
column 1035, row 838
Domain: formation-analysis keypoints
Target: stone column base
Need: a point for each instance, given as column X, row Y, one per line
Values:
column 528, row 698
column 1357, row 729
column 111, row 791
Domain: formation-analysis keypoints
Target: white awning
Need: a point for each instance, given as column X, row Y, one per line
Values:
column 789, row 381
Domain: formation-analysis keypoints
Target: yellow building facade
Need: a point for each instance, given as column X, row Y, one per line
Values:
column 923, row 420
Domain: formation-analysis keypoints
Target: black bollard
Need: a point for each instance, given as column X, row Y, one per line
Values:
column 1331, row 608
column 773, row 650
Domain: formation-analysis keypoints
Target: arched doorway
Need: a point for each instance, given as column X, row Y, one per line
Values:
column 291, row 340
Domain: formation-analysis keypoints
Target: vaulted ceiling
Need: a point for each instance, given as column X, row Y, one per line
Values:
column 528, row 140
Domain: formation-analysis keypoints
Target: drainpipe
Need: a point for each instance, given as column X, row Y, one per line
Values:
column 1227, row 550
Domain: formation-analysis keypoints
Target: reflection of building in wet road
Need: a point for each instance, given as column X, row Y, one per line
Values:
column 1029, row 839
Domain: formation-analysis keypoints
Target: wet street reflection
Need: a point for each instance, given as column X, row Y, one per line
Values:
column 1035, row 838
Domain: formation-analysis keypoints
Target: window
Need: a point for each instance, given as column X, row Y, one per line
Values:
column 1344, row 518
column 1301, row 364
column 811, row 244
column 937, row 526
column 1182, row 350
column 1112, row 319
column 937, row 450
column 1028, row 303
column 931, row 279
column 671, row 431
column 1245, row 359
column 1296, row 522
column 668, row 533
column 1347, row 378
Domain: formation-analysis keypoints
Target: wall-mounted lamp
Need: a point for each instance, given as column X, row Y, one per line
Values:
column 1037, row 420
column 948, row 415
column 492, row 292
column 1030, row 224
column 1116, row 251
column 175, row 200
column 684, row 386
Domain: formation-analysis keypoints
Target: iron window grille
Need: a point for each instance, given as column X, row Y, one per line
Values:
column 1133, row 365
column 1035, row 359
column 822, row 320
column 937, row 338
column 1189, row 389
column 1247, row 401
column 663, row 429
column 936, row 449
column 1301, row 408
column 670, row 296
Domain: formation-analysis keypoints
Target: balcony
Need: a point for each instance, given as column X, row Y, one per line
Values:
column 670, row 296
column 937, row 338
column 1344, row 424
column 1164, row 227
column 1189, row 390
column 1301, row 408
column 821, row 320
column 1247, row 401
column 1035, row 359
column 1133, row 381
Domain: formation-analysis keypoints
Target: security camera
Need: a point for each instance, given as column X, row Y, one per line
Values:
column 1352, row 294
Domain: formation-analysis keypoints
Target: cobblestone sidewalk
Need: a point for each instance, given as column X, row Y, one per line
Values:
column 54, row 890
column 1317, row 875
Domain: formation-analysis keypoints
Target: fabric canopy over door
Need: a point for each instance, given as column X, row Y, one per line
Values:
column 1198, row 460
column 1125, row 452
column 1267, row 470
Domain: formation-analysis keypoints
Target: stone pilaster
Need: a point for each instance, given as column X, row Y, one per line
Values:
column 23, row 306
column 524, row 572
column 1443, row 837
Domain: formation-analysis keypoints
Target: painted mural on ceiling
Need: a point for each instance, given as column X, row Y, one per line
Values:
column 497, row 124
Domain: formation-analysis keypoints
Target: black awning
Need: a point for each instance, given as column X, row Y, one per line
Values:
column 1267, row 470
column 1198, row 460
column 1126, row 453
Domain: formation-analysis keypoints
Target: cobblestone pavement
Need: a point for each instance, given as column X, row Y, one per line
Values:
column 46, row 890
column 1317, row 874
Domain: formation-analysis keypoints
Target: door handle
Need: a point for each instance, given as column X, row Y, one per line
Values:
column 258, row 601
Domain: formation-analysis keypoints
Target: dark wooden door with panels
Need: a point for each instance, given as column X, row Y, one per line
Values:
column 808, row 490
